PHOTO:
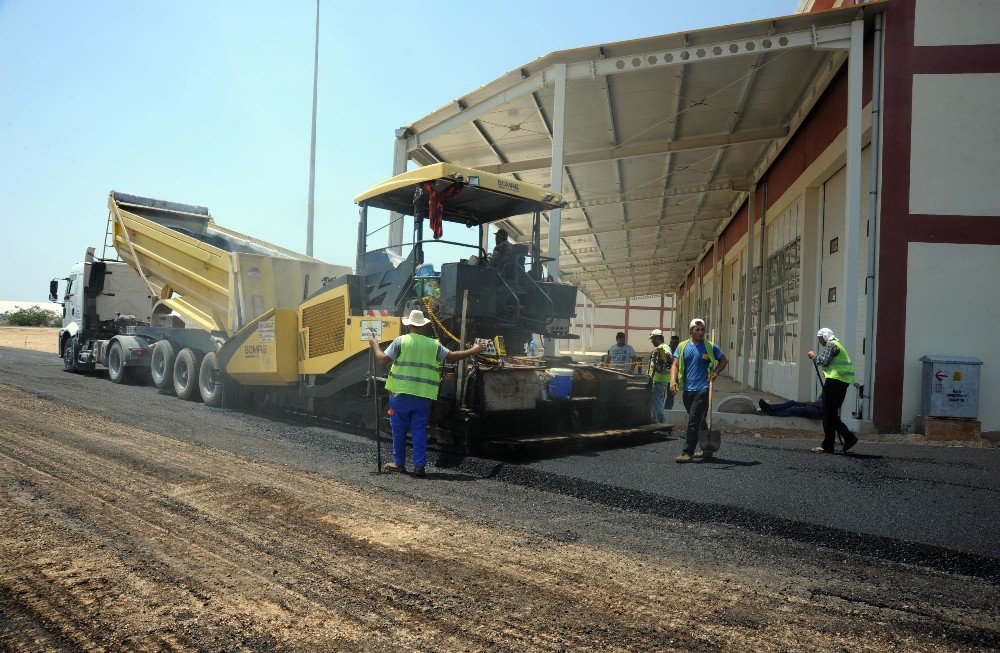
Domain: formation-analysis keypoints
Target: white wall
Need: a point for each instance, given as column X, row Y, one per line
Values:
column 952, row 308
column 954, row 156
column 956, row 22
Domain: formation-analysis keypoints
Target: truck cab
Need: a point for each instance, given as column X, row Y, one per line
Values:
column 100, row 300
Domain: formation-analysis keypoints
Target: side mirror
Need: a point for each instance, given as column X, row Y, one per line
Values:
column 54, row 291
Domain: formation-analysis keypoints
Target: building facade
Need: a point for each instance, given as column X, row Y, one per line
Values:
column 929, row 207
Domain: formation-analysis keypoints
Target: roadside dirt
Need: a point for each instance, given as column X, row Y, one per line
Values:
column 115, row 537
column 36, row 338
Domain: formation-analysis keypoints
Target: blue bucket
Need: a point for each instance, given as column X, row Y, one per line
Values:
column 561, row 383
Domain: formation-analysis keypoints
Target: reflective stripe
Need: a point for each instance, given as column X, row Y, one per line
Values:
column 423, row 365
column 415, row 379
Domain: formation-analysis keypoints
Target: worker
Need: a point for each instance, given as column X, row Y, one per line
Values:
column 413, row 384
column 620, row 355
column 672, row 346
column 838, row 369
column 659, row 370
column 698, row 362
column 503, row 253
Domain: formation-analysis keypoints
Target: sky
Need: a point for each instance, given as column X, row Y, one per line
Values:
column 210, row 103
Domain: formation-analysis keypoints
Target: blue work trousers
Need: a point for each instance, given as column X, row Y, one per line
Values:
column 659, row 414
column 409, row 413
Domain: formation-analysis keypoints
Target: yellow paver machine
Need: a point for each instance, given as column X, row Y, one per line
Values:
column 239, row 320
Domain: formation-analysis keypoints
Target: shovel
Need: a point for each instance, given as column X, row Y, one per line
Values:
column 710, row 439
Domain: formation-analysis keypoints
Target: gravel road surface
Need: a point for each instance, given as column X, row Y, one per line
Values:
column 131, row 520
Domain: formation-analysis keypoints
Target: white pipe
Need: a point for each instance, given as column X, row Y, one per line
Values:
column 555, row 215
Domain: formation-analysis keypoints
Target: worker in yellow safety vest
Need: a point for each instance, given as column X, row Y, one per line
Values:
column 838, row 369
column 413, row 383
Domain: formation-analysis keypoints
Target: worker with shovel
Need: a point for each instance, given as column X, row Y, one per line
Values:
column 696, row 365
column 838, row 369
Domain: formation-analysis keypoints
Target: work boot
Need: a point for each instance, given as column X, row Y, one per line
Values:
column 764, row 407
column 850, row 442
column 821, row 450
column 393, row 467
column 683, row 458
column 419, row 472
column 704, row 454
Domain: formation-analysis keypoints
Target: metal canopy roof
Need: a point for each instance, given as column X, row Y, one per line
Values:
column 662, row 138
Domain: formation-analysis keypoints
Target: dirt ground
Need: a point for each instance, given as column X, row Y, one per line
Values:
column 118, row 537
column 36, row 338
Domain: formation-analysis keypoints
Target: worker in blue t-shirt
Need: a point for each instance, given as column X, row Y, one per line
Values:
column 697, row 362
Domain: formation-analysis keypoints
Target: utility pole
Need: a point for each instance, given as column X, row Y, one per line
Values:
column 312, row 148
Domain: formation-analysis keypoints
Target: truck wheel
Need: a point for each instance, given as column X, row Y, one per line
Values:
column 210, row 382
column 69, row 354
column 117, row 371
column 161, row 365
column 186, row 369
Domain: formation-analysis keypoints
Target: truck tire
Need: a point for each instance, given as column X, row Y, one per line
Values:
column 210, row 382
column 161, row 366
column 69, row 354
column 118, row 372
column 186, row 371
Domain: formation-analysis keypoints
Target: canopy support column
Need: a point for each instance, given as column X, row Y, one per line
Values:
column 555, row 215
column 852, row 226
column 399, row 157
column 748, row 288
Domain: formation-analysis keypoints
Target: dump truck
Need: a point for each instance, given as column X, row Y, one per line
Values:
column 238, row 321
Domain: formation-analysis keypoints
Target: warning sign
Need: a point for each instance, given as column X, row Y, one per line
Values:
column 371, row 329
column 265, row 330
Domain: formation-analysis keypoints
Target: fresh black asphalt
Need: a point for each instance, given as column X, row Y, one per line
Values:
column 934, row 506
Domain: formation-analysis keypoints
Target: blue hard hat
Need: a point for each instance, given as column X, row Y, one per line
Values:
column 425, row 271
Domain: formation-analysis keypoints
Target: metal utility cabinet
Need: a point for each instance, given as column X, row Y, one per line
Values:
column 950, row 387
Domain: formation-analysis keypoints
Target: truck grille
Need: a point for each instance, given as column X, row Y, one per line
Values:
column 326, row 327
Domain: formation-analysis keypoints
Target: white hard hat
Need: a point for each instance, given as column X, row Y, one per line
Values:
column 416, row 319
column 655, row 332
column 695, row 322
column 826, row 334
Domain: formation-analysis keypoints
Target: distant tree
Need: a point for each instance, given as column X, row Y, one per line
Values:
column 33, row 316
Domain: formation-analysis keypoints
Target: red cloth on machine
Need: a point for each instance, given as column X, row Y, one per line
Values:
column 435, row 205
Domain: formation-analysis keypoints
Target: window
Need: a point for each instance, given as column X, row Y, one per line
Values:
column 754, row 310
column 782, row 303
column 834, row 245
column 831, row 295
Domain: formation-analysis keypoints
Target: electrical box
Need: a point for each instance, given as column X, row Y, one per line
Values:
column 950, row 386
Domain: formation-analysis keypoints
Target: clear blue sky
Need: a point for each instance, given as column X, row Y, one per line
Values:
column 209, row 103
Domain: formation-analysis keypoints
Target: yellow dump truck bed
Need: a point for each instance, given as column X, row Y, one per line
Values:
column 213, row 278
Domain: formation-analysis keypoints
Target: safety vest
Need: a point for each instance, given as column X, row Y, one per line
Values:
column 664, row 376
column 709, row 348
column 416, row 370
column 840, row 366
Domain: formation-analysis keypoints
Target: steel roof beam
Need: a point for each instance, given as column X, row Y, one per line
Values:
column 652, row 148
column 817, row 38
column 616, row 165
column 734, row 185
column 625, row 263
column 642, row 224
